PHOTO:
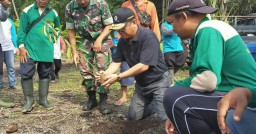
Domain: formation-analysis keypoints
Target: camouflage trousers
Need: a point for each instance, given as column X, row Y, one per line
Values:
column 91, row 62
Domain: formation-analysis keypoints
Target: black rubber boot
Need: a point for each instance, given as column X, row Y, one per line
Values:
column 43, row 93
column 27, row 87
column 104, row 109
column 92, row 102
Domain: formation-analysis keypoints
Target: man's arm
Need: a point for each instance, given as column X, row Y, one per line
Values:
column 137, row 69
column 62, row 44
column 107, row 21
column 71, row 30
column 72, row 41
column 113, row 67
column 103, row 35
column 165, row 31
column 22, row 33
column 208, row 56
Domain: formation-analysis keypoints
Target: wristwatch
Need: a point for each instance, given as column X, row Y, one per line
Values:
column 118, row 78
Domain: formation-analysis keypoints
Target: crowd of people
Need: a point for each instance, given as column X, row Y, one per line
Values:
column 218, row 96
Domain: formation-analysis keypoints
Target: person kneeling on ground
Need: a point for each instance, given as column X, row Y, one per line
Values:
column 140, row 48
column 215, row 49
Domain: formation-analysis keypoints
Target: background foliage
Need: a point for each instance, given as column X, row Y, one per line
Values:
column 226, row 7
column 60, row 5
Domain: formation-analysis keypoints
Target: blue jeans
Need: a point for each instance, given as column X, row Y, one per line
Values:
column 149, row 100
column 127, row 81
column 247, row 124
column 8, row 58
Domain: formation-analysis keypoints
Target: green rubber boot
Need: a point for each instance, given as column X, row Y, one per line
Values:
column 43, row 93
column 6, row 104
column 27, row 87
column 104, row 109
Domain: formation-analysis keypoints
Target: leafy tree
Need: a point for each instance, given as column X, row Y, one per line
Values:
column 226, row 7
column 114, row 4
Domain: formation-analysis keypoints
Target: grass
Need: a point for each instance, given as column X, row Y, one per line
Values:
column 68, row 95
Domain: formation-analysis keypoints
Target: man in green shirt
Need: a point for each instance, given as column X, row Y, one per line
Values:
column 215, row 50
column 36, row 48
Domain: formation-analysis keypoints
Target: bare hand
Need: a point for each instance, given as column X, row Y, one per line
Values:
column 169, row 127
column 23, row 55
column 6, row 3
column 235, row 99
column 110, row 79
column 97, row 46
column 97, row 75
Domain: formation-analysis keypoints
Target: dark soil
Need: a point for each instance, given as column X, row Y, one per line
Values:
column 68, row 96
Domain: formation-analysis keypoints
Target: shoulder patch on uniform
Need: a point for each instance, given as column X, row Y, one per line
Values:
column 27, row 8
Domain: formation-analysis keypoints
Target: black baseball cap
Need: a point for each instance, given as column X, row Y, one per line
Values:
column 197, row 6
column 121, row 16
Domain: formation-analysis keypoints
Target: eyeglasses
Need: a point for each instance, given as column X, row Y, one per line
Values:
column 123, row 29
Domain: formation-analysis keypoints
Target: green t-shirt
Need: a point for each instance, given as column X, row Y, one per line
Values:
column 217, row 47
column 39, row 47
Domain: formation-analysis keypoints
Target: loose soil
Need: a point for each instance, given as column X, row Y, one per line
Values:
column 68, row 96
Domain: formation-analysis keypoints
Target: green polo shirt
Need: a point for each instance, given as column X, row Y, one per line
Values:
column 217, row 47
column 36, row 41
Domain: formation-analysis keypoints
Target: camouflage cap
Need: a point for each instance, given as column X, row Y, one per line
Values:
column 121, row 16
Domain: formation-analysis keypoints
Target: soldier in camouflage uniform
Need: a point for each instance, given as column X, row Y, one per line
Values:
column 90, row 19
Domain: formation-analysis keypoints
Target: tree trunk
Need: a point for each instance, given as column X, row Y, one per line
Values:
column 165, row 6
column 163, row 10
column 15, row 10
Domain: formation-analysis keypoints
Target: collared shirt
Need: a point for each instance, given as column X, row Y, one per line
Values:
column 216, row 46
column 39, row 47
column 89, row 22
column 145, row 49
